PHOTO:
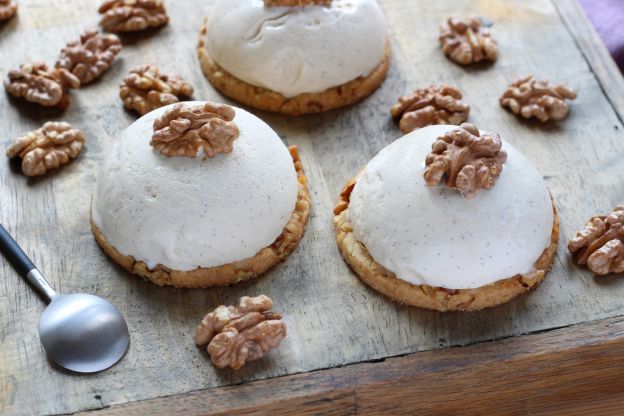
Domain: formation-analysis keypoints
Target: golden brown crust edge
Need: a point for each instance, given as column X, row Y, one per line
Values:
column 264, row 99
column 232, row 272
column 428, row 297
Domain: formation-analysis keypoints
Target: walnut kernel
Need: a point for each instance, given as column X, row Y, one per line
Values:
column 50, row 146
column 39, row 84
column 8, row 8
column 533, row 98
column 132, row 15
column 600, row 244
column 236, row 335
column 431, row 105
column 467, row 41
column 469, row 160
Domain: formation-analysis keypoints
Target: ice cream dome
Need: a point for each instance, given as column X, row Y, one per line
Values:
column 295, row 57
column 199, row 194
column 448, row 218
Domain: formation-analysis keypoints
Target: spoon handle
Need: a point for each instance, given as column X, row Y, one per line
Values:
column 22, row 264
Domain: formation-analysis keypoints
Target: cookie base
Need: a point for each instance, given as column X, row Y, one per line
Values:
column 230, row 273
column 429, row 297
column 265, row 99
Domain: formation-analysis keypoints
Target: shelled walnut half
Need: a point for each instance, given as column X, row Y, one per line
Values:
column 600, row 244
column 431, row 105
column 50, row 146
column 39, row 84
column 90, row 56
column 236, row 335
column 530, row 97
column 295, row 3
column 469, row 160
column 145, row 89
column 467, row 41
column 8, row 8
column 132, row 15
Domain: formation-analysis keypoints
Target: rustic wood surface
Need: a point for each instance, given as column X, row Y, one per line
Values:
column 333, row 319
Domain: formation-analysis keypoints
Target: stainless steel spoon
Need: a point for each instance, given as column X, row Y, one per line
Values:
column 81, row 332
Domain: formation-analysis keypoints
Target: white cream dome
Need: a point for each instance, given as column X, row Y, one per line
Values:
column 296, row 50
column 435, row 236
column 185, row 212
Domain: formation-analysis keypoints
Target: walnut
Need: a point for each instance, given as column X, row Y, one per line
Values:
column 469, row 160
column 184, row 129
column 8, row 8
column 236, row 335
column 90, row 56
column 295, row 3
column 39, row 84
column 132, row 15
column 468, row 41
column 431, row 105
column 600, row 243
column 145, row 88
column 50, row 146
column 532, row 98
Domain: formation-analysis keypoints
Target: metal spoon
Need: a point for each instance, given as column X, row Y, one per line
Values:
column 81, row 332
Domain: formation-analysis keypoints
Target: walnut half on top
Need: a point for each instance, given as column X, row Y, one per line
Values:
column 600, row 244
column 530, row 97
column 431, row 105
column 8, row 8
column 236, row 335
column 467, row 41
column 469, row 160
column 132, row 15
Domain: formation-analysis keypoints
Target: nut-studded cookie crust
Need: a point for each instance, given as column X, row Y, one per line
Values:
column 428, row 297
column 232, row 272
column 264, row 99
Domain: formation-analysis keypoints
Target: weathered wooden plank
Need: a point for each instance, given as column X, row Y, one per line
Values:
column 333, row 319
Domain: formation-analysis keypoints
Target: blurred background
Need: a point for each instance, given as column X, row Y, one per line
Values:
column 607, row 17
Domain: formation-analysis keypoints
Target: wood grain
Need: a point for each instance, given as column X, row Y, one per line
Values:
column 333, row 319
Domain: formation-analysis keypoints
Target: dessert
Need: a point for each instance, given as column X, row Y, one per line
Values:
column 295, row 60
column 431, row 246
column 530, row 97
column 8, row 8
column 431, row 105
column 50, row 146
column 132, row 15
column 198, row 194
column 236, row 335
column 146, row 88
column 600, row 244
column 467, row 41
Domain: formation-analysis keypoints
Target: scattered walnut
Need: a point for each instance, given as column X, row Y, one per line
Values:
column 132, row 15
column 431, row 105
column 466, row 42
column 295, row 3
column 532, row 98
column 50, row 146
column 90, row 56
column 184, row 129
column 600, row 243
column 8, row 8
column 236, row 335
column 145, row 89
column 469, row 160
column 38, row 84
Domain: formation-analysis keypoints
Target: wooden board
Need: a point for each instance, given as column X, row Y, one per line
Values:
column 333, row 319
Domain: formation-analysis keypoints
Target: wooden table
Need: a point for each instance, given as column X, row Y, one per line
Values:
column 349, row 350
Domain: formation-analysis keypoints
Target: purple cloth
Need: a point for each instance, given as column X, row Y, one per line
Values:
column 607, row 16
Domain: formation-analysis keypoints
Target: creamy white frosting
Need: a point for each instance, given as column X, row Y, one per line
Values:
column 433, row 235
column 296, row 50
column 186, row 213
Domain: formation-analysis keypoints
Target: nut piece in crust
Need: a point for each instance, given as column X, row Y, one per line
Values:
column 469, row 160
column 431, row 105
column 39, row 84
column 533, row 98
column 295, row 3
column 50, row 146
column 467, row 41
column 600, row 244
column 145, row 89
column 132, row 15
column 8, row 8
column 90, row 56
column 184, row 129
column 236, row 335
